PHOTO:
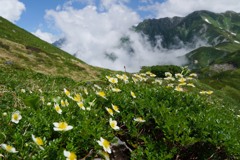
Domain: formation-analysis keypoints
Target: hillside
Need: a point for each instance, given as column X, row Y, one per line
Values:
column 21, row 50
column 54, row 106
column 206, row 26
column 215, row 39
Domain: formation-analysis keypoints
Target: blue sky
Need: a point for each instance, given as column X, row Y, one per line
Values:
column 92, row 28
column 33, row 17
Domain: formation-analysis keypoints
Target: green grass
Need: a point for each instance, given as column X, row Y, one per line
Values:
column 177, row 124
column 22, row 49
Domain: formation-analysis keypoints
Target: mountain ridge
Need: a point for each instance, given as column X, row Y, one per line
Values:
column 196, row 24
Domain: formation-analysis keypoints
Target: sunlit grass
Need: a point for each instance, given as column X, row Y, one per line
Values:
column 139, row 112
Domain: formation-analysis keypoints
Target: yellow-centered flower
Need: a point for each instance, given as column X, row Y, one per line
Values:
column 81, row 105
column 61, row 126
column 191, row 85
column 139, row 119
column 85, row 91
column 77, row 98
column 8, row 148
column 178, row 88
column 113, row 80
column 113, row 124
column 16, row 117
column 109, row 110
column 67, row 92
column 101, row 94
column 168, row 74
column 116, row 90
column 115, row 108
column 38, row 141
column 57, row 108
column 182, row 80
column 70, row 155
column 193, row 75
column 105, row 144
column 178, row 75
column 133, row 94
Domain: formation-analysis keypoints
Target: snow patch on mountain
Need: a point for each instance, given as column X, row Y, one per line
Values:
column 206, row 20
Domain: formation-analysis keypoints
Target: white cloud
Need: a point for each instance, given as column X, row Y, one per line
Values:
column 170, row 8
column 48, row 37
column 11, row 9
column 92, row 33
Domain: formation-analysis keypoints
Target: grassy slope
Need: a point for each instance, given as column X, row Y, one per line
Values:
column 21, row 50
column 182, row 128
column 225, row 54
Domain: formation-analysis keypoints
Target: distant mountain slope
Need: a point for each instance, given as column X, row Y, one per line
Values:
column 218, row 60
column 200, row 25
column 22, row 50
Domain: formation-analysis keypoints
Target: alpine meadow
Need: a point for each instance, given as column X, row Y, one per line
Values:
column 55, row 106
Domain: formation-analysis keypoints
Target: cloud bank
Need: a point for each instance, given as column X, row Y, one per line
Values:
column 11, row 9
column 101, row 36
column 170, row 8
column 48, row 37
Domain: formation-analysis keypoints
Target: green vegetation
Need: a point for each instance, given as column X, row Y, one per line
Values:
column 22, row 50
column 159, row 71
column 54, row 106
column 200, row 25
column 156, row 119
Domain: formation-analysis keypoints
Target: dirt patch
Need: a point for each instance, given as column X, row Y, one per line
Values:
column 222, row 67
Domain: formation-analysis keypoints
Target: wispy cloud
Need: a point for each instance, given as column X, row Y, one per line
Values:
column 94, row 35
column 11, row 9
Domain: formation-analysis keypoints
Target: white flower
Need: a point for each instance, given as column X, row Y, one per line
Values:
column 105, row 144
column 16, row 117
column 169, row 79
column 23, row 90
column 168, row 74
column 191, row 85
column 70, row 155
column 109, row 110
column 81, row 105
column 57, row 108
column 159, row 81
column 115, row 108
column 170, row 85
column 113, row 124
column 182, row 80
column 116, row 90
column 133, row 94
column 78, row 98
column 193, row 75
column 67, row 93
column 9, row 148
column 101, row 94
column 97, row 86
column 61, row 126
column 139, row 119
column 85, row 91
column 152, row 75
column 113, row 80
column 178, row 88
column 38, row 141
column 178, row 75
